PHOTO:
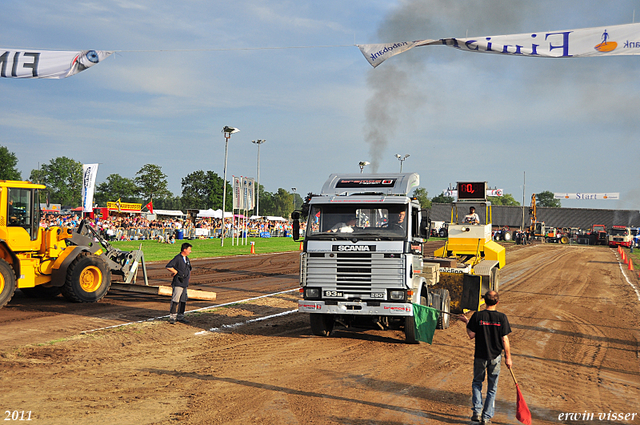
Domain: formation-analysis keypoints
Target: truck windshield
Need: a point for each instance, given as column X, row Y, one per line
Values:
column 358, row 221
column 619, row 232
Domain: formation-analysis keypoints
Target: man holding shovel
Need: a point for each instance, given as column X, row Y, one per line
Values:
column 490, row 329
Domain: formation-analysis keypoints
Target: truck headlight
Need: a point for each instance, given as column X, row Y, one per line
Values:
column 312, row 293
column 397, row 295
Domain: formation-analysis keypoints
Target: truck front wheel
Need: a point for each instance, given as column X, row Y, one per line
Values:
column 321, row 324
column 7, row 283
column 88, row 279
column 445, row 308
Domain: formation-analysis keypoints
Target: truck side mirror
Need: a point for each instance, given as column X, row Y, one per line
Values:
column 425, row 225
column 296, row 225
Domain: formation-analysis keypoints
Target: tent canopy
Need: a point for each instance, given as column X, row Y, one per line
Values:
column 173, row 213
column 214, row 213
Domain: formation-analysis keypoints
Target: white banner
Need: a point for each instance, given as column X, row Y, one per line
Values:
column 600, row 41
column 47, row 63
column 237, row 193
column 89, row 174
column 590, row 196
column 248, row 185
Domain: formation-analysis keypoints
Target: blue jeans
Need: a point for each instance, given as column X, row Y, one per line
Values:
column 480, row 368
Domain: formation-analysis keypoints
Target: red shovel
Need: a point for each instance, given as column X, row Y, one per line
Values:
column 522, row 411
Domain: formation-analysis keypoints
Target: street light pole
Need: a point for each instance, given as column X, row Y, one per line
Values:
column 258, row 142
column 402, row 159
column 228, row 131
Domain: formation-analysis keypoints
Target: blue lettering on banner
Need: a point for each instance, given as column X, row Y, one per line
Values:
column 387, row 49
column 515, row 49
column 265, row 234
column 565, row 42
column 631, row 44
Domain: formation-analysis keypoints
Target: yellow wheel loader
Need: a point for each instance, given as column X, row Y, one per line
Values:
column 470, row 261
column 47, row 262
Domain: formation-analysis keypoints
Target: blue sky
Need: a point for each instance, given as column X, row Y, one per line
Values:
column 183, row 71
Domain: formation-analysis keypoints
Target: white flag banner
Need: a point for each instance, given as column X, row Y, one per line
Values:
column 89, row 174
column 47, row 63
column 237, row 193
column 589, row 196
column 248, row 185
column 600, row 41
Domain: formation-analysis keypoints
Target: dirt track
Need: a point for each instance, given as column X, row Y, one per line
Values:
column 575, row 345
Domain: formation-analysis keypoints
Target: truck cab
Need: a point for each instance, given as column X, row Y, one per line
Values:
column 620, row 236
column 362, row 253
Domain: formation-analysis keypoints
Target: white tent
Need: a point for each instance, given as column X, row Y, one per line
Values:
column 172, row 213
column 273, row 218
column 214, row 214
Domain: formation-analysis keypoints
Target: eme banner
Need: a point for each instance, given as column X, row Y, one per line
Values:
column 89, row 174
column 47, row 63
column 589, row 196
column 584, row 42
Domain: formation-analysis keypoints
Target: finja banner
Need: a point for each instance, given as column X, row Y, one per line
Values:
column 600, row 41
column 47, row 63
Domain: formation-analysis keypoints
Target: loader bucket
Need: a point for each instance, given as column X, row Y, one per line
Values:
column 464, row 289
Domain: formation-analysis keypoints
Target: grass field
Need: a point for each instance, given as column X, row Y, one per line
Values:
column 204, row 248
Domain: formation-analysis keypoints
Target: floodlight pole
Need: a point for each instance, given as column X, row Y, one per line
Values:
column 258, row 142
column 228, row 131
column 402, row 159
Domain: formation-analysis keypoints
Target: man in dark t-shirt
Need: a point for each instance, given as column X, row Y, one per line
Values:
column 490, row 329
column 180, row 269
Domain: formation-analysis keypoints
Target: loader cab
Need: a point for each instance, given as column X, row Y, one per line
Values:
column 21, row 211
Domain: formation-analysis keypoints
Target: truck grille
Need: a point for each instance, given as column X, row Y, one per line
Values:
column 355, row 272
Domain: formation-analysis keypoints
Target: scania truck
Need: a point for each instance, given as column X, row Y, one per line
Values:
column 362, row 257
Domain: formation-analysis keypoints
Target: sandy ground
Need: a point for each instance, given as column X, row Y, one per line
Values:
column 575, row 348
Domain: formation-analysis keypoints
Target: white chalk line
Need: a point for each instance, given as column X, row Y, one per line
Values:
column 246, row 322
column 635, row 288
column 190, row 311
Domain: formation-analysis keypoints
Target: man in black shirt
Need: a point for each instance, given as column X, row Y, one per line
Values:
column 490, row 329
column 180, row 269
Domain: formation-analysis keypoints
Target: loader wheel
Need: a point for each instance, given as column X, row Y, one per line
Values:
column 7, row 283
column 444, row 318
column 506, row 236
column 88, row 279
column 564, row 240
column 321, row 324
column 443, row 233
column 495, row 278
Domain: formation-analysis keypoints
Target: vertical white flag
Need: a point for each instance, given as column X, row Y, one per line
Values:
column 248, row 184
column 89, row 174
column 237, row 193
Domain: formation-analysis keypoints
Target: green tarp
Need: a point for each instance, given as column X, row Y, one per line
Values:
column 425, row 319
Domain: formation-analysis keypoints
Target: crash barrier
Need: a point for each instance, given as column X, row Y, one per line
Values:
column 166, row 235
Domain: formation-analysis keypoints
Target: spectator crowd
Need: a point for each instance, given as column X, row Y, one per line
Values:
column 120, row 228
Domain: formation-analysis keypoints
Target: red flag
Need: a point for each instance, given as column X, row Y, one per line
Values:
column 522, row 411
column 149, row 206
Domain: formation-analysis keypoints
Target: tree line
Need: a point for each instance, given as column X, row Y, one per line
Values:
column 200, row 189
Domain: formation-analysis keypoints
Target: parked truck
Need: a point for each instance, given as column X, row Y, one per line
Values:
column 620, row 236
column 362, row 259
